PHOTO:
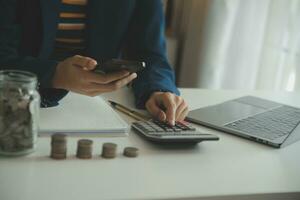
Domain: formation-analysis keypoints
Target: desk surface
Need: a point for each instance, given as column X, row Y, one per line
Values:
column 232, row 168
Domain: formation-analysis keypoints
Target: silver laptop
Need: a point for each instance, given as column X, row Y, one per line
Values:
column 254, row 118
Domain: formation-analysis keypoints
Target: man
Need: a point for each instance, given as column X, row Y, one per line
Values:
column 62, row 40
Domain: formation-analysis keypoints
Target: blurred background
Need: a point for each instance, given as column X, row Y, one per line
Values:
column 234, row 44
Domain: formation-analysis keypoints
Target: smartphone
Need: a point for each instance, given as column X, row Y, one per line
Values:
column 115, row 65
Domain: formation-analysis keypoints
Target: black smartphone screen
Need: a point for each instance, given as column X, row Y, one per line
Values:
column 115, row 65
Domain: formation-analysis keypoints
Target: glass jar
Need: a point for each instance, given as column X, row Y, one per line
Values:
column 19, row 112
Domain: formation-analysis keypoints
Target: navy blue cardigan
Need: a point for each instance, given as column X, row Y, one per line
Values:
column 116, row 28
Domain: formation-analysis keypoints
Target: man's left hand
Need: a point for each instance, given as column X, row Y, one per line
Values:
column 166, row 106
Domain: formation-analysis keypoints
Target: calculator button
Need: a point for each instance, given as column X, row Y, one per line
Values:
column 159, row 130
column 151, row 130
column 191, row 128
column 151, row 124
column 155, row 126
column 182, row 127
column 139, row 126
column 177, row 129
column 146, row 129
column 143, row 129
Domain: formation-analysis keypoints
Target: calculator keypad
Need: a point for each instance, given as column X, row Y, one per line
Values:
column 161, row 128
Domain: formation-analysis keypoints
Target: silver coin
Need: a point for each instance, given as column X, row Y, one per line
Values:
column 131, row 152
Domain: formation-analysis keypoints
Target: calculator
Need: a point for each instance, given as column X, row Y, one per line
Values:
column 181, row 132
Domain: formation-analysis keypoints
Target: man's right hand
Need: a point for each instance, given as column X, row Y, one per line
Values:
column 74, row 74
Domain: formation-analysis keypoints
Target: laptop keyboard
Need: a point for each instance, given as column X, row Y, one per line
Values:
column 271, row 124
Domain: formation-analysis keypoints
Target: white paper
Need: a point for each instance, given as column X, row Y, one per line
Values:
column 80, row 115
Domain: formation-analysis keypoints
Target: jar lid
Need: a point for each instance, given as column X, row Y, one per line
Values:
column 18, row 77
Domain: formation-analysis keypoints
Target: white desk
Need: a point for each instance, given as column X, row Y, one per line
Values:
column 232, row 168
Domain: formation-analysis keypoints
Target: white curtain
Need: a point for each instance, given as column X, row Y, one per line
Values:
column 243, row 44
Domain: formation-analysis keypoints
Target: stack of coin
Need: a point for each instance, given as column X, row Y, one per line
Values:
column 58, row 146
column 109, row 150
column 131, row 152
column 84, row 149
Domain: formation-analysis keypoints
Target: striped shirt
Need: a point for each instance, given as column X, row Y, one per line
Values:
column 70, row 36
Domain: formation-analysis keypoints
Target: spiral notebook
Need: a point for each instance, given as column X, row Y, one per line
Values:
column 82, row 115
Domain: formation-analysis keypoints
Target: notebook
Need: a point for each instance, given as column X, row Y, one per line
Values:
column 82, row 115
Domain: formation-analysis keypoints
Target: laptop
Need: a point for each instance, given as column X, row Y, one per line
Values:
column 257, row 119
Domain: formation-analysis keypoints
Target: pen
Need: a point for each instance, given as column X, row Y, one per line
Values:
column 129, row 112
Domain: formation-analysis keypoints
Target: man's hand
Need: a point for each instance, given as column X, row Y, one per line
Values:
column 167, row 106
column 74, row 74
